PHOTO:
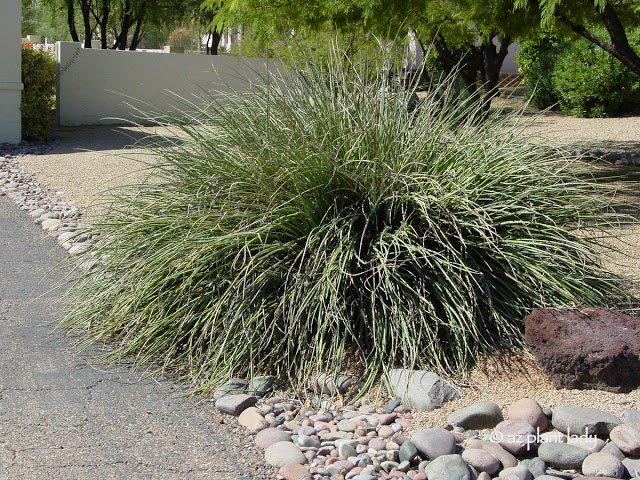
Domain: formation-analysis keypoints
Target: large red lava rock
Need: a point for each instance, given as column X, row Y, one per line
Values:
column 591, row 348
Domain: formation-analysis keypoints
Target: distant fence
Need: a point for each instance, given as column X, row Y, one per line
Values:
column 95, row 86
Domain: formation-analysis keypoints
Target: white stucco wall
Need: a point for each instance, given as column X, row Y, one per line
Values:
column 10, row 71
column 510, row 65
column 94, row 86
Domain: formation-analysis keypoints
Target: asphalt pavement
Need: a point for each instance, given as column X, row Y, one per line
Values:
column 64, row 417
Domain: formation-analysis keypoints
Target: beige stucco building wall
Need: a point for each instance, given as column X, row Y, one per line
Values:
column 107, row 86
column 10, row 71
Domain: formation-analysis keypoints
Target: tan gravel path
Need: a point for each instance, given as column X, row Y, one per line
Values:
column 619, row 134
column 89, row 160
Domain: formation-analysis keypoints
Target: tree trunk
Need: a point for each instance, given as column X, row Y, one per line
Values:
column 619, row 46
column 85, row 8
column 123, row 36
column 137, row 37
column 622, row 50
column 101, row 16
column 215, row 41
column 71, row 21
column 121, row 39
column 492, row 60
column 466, row 71
column 139, row 20
column 104, row 22
column 127, row 22
column 214, row 35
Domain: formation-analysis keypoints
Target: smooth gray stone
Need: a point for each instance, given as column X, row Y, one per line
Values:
column 631, row 466
column 346, row 426
column 519, row 472
column 261, row 385
column 536, row 466
column 481, row 460
column 612, row 448
column 308, row 441
column 494, row 449
column 434, row 442
column 388, row 465
column 408, row 451
column 574, row 420
column 333, row 436
column 345, row 450
column 391, row 406
column 235, row 404
column 602, row 465
column 627, row 438
column 281, row 453
column 562, row 456
column 448, row 467
column 419, row 389
column 631, row 416
column 478, row 415
column 233, row 386
column 332, row 385
column 38, row 212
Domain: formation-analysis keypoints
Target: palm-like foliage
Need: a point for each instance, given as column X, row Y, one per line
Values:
column 317, row 217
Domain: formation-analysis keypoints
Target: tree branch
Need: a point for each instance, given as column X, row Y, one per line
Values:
column 505, row 43
column 619, row 46
column 583, row 32
column 615, row 28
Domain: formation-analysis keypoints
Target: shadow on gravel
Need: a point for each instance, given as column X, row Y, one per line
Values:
column 108, row 137
column 624, row 180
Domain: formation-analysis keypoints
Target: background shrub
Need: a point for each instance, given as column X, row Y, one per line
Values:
column 591, row 83
column 536, row 62
column 38, row 97
column 294, row 228
column 182, row 37
column 578, row 78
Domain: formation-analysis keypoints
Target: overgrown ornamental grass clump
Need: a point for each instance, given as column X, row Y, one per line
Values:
column 294, row 228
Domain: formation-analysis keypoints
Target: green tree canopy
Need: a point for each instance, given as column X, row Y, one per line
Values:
column 581, row 16
column 461, row 32
column 118, row 24
column 45, row 19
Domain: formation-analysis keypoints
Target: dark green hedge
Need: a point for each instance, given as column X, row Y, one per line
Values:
column 579, row 78
column 38, row 96
column 536, row 61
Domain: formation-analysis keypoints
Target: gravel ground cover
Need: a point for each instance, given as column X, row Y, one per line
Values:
column 85, row 162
